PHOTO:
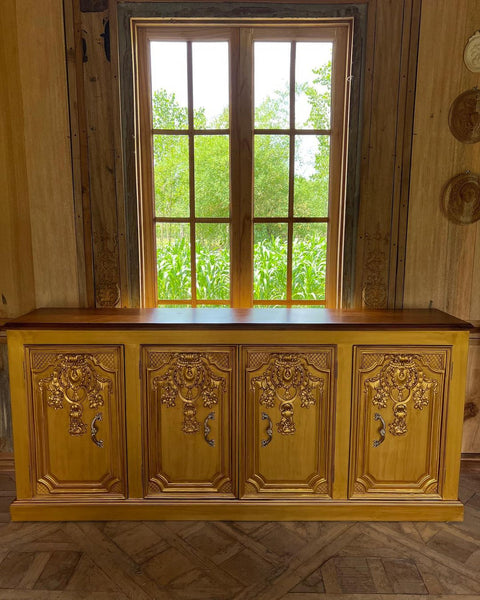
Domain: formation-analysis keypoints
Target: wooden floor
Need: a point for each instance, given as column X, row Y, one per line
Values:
column 240, row 561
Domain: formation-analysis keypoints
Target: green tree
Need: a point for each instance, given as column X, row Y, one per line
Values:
column 271, row 169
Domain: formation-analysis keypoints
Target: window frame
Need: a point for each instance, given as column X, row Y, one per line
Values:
column 346, row 181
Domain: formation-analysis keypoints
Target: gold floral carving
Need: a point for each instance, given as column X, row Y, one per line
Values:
column 464, row 117
column 75, row 381
column 400, row 381
column 286, row 378
column 190, row 378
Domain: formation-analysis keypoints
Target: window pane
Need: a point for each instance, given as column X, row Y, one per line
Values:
column 313, row 73
column 270, row 261
column 272, row 84
column 210, row 85
column 312, row 170
column 171, row 175
column 212, row 176
column 309, row 261
column 169, row 85
column 213, row 261
column 271, row 165
column 173, row 261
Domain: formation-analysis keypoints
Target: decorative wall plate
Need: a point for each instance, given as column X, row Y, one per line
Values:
column 464, row 117
column 461, row 199
column 471, row 54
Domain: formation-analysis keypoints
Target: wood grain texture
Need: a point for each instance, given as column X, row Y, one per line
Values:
column 385, row 149
column 218, row 318
column 471, row 423
column 442, row 257
column 101, row 122
column 68, row 368
column 17, row 287
column 47, row 151
column 243, row 561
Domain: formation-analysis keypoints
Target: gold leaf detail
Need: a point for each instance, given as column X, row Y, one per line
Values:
column 190, row 378
column 286, row 378
column 75, row 381
column 400, row 381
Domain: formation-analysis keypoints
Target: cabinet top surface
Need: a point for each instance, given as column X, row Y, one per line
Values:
column 225, row 318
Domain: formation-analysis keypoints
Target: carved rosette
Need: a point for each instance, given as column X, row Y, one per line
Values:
column 189, row 378
column 75, row 382
column 401, row 381
column 286, row 379
column 464, row 117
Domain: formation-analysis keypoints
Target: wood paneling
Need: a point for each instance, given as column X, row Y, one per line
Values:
column 397, row 433
column 17, row 292
column 471, row 423
column 41, row 54
column 101, row 123
column 76, row 406
column 443, row 259
column 288, row 423
column 442, row 266
column 190, row 421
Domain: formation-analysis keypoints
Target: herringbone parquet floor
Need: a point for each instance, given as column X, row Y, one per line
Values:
column 240, row 561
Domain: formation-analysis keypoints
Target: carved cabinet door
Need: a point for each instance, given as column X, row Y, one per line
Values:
column 189, row 421
column 399, row 402
column 288, row 429
column 76, row 402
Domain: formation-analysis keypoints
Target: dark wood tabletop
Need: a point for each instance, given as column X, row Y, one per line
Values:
column 230, row 318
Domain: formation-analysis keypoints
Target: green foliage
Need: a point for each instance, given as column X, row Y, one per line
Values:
column 213, row 269
column 271, row 169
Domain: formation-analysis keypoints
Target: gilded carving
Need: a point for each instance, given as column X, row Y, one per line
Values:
column 75, row 381
column 461, row 199
column 286, row 378
column 401, row 380
column 190, row 378
column 464, row 117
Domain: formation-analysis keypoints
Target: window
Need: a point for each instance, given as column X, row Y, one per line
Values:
column 241, row 158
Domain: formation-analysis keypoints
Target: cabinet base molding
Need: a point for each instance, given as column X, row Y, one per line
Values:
column 141, row 510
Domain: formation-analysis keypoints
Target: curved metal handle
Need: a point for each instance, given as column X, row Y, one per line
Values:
column 94, row 430
column 206, row 429
column 381, row 430
column 269, row 430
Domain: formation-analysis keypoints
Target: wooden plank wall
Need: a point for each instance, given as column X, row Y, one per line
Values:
column 96, row 122
column 17, row 292
column 443, row 259
column 392, row 41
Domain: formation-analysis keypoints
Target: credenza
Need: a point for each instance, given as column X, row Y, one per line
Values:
column 237, row 414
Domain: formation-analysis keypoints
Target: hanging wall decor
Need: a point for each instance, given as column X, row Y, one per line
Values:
column 471, row 54
column 461, row 199
column 464, row 117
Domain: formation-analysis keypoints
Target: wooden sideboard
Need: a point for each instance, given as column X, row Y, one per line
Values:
column 260, row 414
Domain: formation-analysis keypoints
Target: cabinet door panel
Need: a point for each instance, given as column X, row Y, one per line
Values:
column 288, row 426
column 189, row 418
column 76, row 404
column 399, row 401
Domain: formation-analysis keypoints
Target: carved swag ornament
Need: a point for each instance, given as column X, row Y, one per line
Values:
column 190, row 378
column 287, row 378
column 74, row 380
column 401, row 380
